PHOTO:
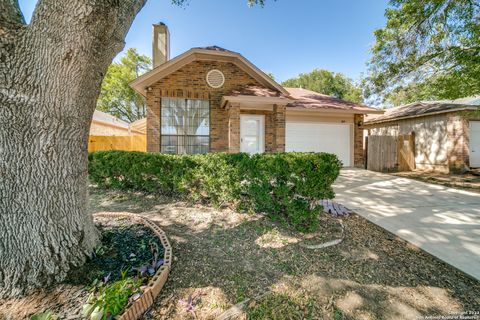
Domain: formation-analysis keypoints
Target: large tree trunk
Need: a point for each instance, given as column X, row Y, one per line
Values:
column 50, row 76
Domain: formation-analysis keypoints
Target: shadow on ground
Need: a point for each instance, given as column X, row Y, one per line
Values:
column 222, row 258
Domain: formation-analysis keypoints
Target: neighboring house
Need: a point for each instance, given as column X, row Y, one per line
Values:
column 445, row 140
column 214, row 100
column 110, row 133
column 139, row 126
column 104, row 124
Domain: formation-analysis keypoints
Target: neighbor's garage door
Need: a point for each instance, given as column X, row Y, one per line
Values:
column 475, row 144
column 319, row 137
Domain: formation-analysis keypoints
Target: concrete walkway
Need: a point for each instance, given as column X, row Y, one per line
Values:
column 442, row 221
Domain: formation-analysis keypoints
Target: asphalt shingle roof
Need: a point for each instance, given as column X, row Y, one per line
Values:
column 306, row 99
column 417, row 109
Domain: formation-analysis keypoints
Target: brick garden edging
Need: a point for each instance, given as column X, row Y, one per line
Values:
column 155, row 284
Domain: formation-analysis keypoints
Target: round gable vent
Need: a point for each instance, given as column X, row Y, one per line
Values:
column 215, row 78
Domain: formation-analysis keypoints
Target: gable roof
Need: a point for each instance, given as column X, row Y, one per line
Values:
column 418, row 109
column 205, row 53
column 310, row 100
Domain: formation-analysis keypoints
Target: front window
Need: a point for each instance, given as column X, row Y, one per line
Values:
column 185, row 126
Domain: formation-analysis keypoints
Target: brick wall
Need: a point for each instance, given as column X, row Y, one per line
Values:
column 279, row 128
column 153, row 122
column 189, row 82
column 458, row 152
column 358, row 152
column 234, row 129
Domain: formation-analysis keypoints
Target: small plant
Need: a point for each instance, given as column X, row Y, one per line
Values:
column 189, row 305
column 107, row 300
column 48, row 315
column 99, row 251
column 152, row 267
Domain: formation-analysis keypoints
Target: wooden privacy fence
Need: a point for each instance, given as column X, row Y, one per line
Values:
column 127, row 143
column 390, row 153
column 406, row 152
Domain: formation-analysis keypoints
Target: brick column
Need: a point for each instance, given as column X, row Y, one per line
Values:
column 279, row 128
column 358, row 157
column 153, row 122
column 234, row 128
column 457, row 151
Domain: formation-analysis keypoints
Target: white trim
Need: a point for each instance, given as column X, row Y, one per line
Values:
column 474, row 149
column 261, row 137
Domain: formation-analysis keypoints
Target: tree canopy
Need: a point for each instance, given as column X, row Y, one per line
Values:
column 116, row 96
column 249, row 2
column 427, row 50
column 329, row 83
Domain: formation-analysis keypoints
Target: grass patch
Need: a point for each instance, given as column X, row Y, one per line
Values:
column 282, row 306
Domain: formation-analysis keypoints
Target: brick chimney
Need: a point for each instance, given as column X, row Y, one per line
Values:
column 160, row 44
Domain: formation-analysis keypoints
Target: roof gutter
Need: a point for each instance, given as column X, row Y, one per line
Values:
column 326, row 109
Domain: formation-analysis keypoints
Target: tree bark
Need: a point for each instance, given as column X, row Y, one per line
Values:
column 50, row 77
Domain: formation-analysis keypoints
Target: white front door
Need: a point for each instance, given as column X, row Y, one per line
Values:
column 252, row 133
column 475, row 144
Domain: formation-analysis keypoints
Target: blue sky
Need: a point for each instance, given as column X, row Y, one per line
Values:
column 285, row 37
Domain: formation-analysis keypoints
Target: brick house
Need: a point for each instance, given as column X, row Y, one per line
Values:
column 214, row 100
column 445, row 139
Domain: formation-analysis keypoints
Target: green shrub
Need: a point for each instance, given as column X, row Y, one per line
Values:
column 107, row 300
column 286, row 186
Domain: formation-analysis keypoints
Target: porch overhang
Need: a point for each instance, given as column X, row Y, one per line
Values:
column 253, row 102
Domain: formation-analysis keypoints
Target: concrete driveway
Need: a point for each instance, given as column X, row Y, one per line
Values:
column 442, row 221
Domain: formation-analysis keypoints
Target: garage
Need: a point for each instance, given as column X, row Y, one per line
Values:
column 475, row 144
column 320, row 137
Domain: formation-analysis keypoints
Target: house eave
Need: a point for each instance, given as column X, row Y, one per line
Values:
column 245, row 100
column 330, row 110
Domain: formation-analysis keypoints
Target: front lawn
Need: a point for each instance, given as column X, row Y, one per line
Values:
column 223, row 258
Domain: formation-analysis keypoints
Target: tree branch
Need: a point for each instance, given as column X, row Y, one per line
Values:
column 10, row 14
column 104, row 23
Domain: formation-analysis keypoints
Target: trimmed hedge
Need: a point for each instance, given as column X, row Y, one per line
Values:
column 286, row 186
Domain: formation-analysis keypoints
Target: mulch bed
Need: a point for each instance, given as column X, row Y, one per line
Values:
column 126, row 246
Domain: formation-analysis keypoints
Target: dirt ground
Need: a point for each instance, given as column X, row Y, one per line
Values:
column 469, row 181
column 120, row 238
column 224, row 259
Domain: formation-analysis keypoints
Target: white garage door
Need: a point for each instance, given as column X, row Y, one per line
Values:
column 319, row 137
column 475, row 144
